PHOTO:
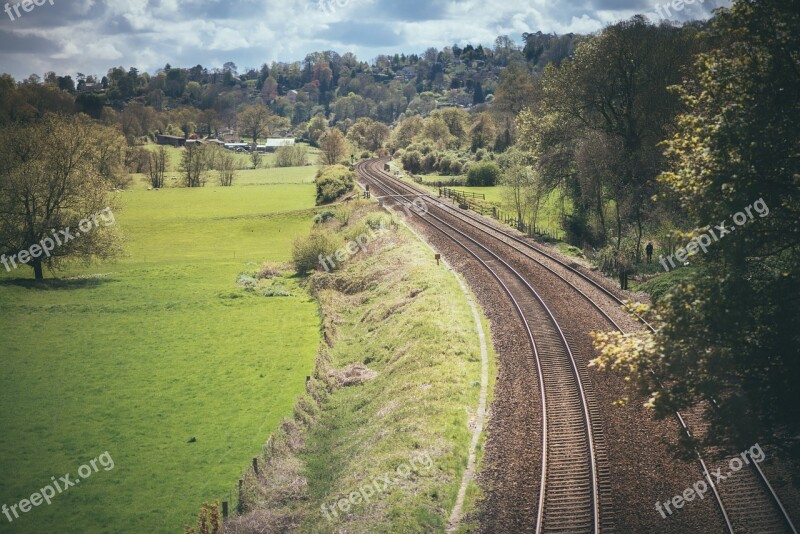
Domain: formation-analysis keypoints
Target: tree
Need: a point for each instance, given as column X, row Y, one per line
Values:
column 437, row 131
column 483, row 174
column 368, row 134
column 730, row 335
column 483, row 132
column 157, row 167
column 478, row 97
column 616, row 84
column 194, row 164
column 255, row 158
column 291, row 156
column 317, row 128
column 51, row 182
column 254, row 121
column 226, row 168
column 333, row 146
column 406, row 131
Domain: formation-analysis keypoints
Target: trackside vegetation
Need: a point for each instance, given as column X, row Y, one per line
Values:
column 386, row 390
column 333, row 182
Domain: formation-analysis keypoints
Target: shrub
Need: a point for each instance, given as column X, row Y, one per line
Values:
column 333, row 182
column 270, row 270
column 324, row 217
column 291, row 156
column 307, row 250
column 276, row 290
column 412, row 161
column 247, row 281
column 378, row 220
column 429, row 163
column 483, row 174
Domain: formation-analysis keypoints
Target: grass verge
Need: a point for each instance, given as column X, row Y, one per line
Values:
column 394, row 393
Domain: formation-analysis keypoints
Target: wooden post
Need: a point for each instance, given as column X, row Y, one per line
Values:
column 224, row 509
column 255, row 464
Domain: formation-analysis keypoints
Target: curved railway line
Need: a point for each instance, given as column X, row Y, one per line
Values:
column 574, row 488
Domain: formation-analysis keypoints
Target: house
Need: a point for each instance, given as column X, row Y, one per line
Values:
column 291, row 96
column 171, row 140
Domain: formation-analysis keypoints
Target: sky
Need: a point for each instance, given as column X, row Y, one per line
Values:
column 91, row 36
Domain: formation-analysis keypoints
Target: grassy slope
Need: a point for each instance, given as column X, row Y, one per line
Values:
column 394, row 311
column 164, row 348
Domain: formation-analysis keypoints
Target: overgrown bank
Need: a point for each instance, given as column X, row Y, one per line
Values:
column 380, row 440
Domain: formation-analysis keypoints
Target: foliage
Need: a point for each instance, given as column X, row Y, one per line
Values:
column 333, row 146
column 291, row 156
column 333, row 182
column 485, row 173
column 729, row 333
column 306, row 251
column 52, row 175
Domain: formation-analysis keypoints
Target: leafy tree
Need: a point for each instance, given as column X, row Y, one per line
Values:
column 51, row 178
column 730, row 334
column 317, row 128
column 333, row 146
column 483, row 132
column 406, row 131
column 254, row 121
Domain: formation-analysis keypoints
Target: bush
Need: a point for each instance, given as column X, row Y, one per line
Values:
column 270, row 270
column 291, row 156
column 247, row 281
column 276, row 290
column 307, row 250
column 333, row 182
column 324, row 217
column 412, row 161
column 483, row 174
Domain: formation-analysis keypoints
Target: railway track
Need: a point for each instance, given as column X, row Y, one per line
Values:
column 573, row 474
column 747, row 502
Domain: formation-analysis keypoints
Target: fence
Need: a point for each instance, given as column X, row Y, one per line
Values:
column 468, row 200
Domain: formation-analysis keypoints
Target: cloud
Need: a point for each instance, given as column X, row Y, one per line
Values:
column 93, row 35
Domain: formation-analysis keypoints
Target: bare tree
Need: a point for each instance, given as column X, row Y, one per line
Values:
column 194, row 164
column 157, row 167
column 226, row 169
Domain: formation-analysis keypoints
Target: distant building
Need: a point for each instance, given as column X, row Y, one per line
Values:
column 238, row 147
column 274, row 144
column 172, row 140
column 291, row 96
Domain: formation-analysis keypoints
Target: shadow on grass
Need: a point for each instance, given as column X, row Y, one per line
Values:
column 57, row 283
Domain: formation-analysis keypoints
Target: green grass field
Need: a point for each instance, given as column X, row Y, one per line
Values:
column 139, row 356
